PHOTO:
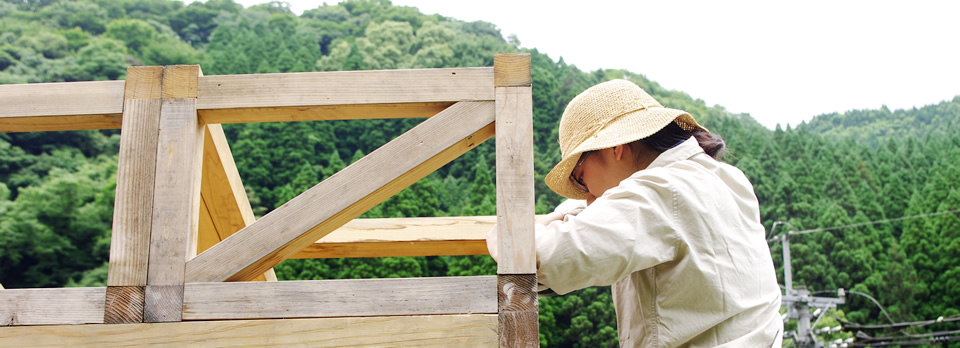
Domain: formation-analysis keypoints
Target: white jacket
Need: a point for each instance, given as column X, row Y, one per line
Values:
column 682, row 246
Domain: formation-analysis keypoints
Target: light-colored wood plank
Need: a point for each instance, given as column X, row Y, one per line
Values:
column 136, row 171
column 511, row 70
column 345, row 87
column 329, row 205
column 123, row 305
column 176, row 208
column 221, row 187
column 59, row 123
column 322, row 112
column 424, row 236
column 340, row 298
column 177, row 191
column 224, row 207
column 51, row 306
column 477, row 330
column 61, row 106
column 515, row 196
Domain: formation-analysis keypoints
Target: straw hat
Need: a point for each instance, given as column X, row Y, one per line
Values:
column 606, row 115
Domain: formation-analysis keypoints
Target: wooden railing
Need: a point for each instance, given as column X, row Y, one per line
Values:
column 179, row 197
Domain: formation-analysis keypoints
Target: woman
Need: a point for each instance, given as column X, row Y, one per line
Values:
column 675, row 232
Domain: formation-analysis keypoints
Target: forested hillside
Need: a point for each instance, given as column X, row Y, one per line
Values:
column 57, row 188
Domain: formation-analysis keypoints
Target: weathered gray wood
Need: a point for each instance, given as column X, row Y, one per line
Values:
column 515, row 196
column 51, row 306
column 340, row 298
column 345, row 87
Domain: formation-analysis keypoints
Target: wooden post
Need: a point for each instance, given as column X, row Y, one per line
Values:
column 133, row 209
column 516, row 269
column 176, row 203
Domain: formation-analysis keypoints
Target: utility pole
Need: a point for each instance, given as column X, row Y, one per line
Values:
column 799, row 301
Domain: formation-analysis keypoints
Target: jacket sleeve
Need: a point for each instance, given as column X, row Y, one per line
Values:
column 630, row 228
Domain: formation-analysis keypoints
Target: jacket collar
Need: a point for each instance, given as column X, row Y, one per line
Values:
column 686, row 149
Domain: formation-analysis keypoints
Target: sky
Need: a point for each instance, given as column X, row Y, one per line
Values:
column 781, row 62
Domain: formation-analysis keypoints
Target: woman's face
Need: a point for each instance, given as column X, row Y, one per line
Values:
column 604, row 169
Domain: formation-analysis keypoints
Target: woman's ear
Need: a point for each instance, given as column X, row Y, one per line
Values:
column 618, row 152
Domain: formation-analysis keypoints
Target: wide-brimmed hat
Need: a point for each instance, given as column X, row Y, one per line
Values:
column 606, row 115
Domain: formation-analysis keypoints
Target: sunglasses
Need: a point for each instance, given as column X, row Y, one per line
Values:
column 578, row 181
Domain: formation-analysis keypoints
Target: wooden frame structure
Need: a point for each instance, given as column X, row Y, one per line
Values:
column 176, row 278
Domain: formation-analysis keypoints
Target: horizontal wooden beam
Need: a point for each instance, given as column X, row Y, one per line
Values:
column 61, row 106
column 424, row 236
column 322, row 112
column 477, row 330
column 328, row 206
column 51, row 306
column 340, row 298
column 345, row 87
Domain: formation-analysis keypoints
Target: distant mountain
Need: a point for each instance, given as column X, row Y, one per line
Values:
column 873, row 127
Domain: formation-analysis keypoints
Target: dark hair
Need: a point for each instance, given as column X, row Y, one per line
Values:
column 673, row 134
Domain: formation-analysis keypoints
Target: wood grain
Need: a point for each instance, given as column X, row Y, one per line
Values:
column 61, row 106
column 340, row 298
column 124, row 305
column 323, row 112
column 515, row 196
column 51, row 306
column 328, row 205
column 345, row 87
column 136, row 172
column 477, row 330
column 163, row 303
column 512, row 70
column 177, row 191
column 518, row 317
column 423, row 236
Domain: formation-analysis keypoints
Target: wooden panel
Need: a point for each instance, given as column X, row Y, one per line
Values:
column 323, row 112
column 478, row 330
column 512, row 70
column 123, row 305
column 518, row 318
column 345, row 87
column 515, row 196
column 136, row 171
column 340, row 298
column 51, row 306
column 60, row 106
column 327, row 206
column 425, row 236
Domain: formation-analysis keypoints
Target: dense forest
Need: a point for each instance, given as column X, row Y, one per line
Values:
column 849, row 169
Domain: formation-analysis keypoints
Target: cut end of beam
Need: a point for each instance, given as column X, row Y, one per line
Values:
column 511, row 70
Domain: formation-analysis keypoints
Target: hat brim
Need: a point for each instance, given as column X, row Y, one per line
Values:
column 625, row 129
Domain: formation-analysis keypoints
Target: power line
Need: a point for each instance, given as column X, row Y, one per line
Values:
column 770, row 237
